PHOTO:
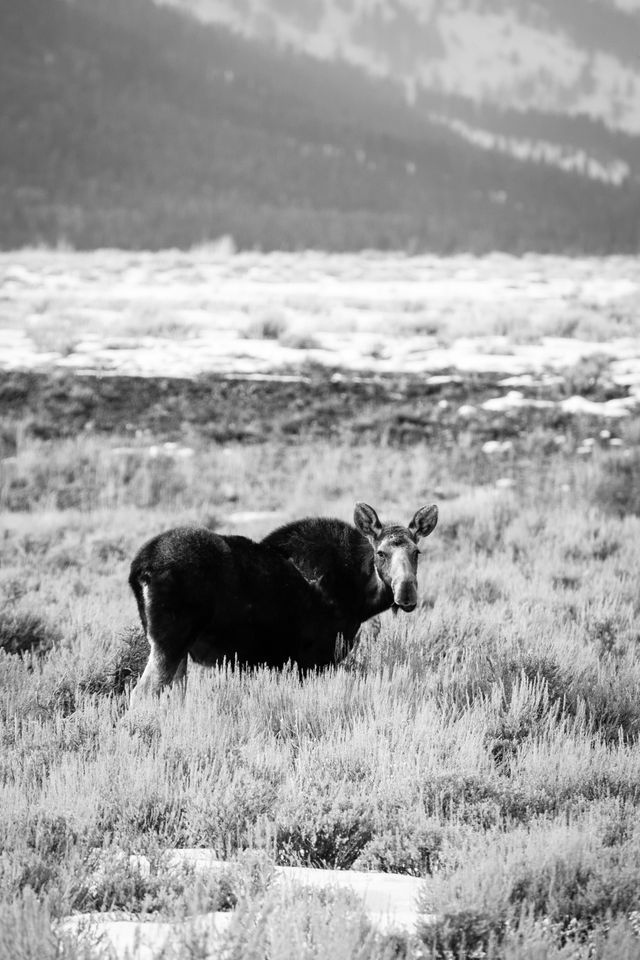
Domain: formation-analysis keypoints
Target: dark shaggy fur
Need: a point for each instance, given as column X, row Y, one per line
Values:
column 340, row 558
column 216, row 596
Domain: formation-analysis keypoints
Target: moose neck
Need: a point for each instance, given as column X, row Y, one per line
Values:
column 378, row 595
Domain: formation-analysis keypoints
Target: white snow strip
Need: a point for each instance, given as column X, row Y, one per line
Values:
column 389, row 901
column 269, row 359
column 514, row 400
column 145, row 940
column 609, row 408
column 575, row 405
column 613, row 170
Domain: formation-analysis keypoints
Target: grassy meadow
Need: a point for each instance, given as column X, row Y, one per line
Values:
column 488, row 742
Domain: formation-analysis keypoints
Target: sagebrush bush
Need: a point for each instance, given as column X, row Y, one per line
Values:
column 572, row 880
column 26, row 632
column 26, row 932
column 271, row 325
column 127, row 662
column 324, row 832
column 415, row 852
column 618, row 490
column 114, row 881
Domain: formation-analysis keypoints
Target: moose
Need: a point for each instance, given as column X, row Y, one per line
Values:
column 300, row 595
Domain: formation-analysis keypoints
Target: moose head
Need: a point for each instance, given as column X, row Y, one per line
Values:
column 396, row 550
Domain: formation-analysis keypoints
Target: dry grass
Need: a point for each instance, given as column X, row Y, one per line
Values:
column 488, row 743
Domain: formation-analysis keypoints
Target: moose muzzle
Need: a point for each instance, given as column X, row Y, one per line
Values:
column 405, row 594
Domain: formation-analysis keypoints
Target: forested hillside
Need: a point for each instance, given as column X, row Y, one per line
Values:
column 127, row 124
column 572, row 57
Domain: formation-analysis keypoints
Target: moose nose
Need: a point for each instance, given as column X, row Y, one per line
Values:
column 405, row 596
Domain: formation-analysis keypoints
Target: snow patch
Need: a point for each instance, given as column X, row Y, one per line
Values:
column 389, row 901
column 609, row 408
column 614, row 171
column 514, row 400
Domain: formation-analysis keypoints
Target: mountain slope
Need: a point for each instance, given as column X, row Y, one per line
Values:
column 575, row 58
column 126, row 124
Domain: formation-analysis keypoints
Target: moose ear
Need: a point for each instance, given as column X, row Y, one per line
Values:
column 367, row 521
column 424, row 522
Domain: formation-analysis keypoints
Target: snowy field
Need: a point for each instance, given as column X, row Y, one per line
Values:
column 209, row 310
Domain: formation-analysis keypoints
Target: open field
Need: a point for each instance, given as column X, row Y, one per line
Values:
column 488, row 743
column 212, row 311
column 178, row 347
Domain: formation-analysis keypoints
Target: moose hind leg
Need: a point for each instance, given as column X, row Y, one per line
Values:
column 163, row 667
column 168, row 640
column 156, row 674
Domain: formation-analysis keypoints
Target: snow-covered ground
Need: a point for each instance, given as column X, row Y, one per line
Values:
column 176, row 314
column 389, row 901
